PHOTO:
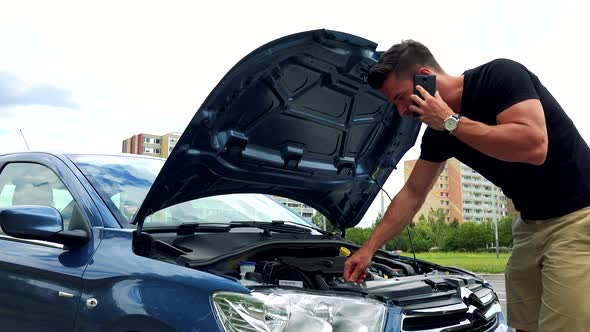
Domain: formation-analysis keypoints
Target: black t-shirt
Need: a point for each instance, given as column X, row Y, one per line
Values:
column 561, row 185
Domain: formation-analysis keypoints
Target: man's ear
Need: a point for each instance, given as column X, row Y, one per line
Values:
column 425, row 71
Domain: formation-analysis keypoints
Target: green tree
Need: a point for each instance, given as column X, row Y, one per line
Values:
column 469, row 236
column 400, row 242
column 318, row 220
column 505, row 231
column 437, row 219
column 358, row 235
column 422, row 217
column 377, row 220
column 422, row 236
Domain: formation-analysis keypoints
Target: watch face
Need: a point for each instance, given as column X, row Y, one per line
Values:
column 451, row 124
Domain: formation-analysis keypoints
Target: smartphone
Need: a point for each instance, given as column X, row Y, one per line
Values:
column 428, row 82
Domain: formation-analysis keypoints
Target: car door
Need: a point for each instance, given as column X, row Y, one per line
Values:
column 40, row 282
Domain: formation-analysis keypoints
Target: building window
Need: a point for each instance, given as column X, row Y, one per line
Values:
column 156, row 150
column 157, row 141
column 442, row 202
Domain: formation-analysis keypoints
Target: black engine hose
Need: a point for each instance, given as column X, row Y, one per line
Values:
column 385, row 269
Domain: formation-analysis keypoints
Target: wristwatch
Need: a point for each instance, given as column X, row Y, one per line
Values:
column 451, row 123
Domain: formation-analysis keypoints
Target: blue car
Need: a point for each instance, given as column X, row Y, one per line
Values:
column 197, row 242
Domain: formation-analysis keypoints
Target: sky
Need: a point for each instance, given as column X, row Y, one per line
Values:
column 83, row 76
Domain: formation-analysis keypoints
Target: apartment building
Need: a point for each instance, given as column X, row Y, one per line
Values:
column 150, row 144
column 302, row 209
column 463, row 194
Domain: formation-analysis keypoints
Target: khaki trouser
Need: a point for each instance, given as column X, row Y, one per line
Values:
column 548, row 274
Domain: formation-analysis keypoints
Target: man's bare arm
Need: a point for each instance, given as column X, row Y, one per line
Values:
column 406, row 203
column 399, row 213
column 520, row 135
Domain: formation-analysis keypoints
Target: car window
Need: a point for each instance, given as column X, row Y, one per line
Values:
column 225, row 209
column 122, row 182
column 34, row 184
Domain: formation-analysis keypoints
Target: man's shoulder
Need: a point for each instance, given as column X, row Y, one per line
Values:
column 489, row 73
column 499, row 64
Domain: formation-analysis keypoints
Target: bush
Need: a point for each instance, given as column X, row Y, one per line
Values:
column 469, row 236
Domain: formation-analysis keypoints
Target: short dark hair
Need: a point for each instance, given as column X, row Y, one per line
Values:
column 403, row 60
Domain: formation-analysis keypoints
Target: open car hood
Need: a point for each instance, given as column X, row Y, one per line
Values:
column 294, row 118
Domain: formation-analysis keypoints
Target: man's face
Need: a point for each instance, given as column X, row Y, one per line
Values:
column 398, row 91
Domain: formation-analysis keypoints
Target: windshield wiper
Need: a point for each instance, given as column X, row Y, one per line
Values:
column 317, row 229
column 276, row 226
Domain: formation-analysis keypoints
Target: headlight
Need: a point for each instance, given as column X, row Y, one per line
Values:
column 281, row 310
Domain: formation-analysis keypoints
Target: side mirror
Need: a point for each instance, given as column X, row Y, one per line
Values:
column 38, row 222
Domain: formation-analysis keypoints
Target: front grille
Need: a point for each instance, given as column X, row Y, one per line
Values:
column 477, row 312
column 433, row 322
column 478, row 326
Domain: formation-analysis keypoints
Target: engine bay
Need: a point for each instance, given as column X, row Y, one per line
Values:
column 311, row 264
column 314, row 273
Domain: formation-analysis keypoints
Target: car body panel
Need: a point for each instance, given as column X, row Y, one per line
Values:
column 136, row 291
column 33, row 273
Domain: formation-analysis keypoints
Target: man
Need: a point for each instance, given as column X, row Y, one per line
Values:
column 500, row 120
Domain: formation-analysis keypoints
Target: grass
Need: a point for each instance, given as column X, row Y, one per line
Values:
column 476, row 262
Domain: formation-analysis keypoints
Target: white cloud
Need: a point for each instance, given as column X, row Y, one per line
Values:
column 141, row 66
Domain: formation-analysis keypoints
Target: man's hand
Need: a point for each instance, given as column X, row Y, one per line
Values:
column 356, row 266
column 433, row 111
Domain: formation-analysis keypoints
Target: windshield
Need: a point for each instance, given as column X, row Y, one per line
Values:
column 124, row 181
